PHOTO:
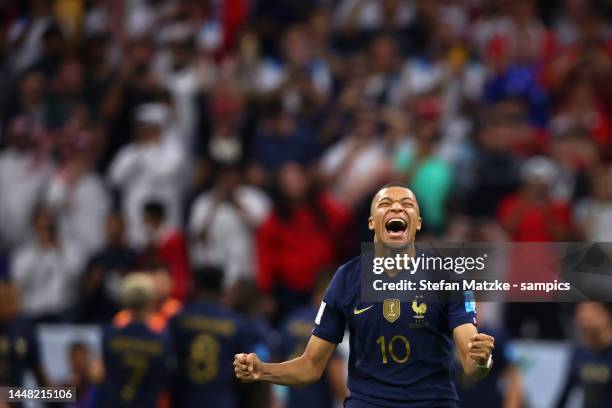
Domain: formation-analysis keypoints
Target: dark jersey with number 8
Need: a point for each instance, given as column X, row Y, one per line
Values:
column 207, row 336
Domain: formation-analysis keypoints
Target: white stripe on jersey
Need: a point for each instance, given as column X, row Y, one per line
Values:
column 320, row 313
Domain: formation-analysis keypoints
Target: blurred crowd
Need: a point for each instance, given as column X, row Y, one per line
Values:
column 171, row 135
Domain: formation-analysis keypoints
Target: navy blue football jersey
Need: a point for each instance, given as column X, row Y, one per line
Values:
column 401, row 353
column 207, row 336
column 591, row 371
column 295, row 332
column 137, row 361
column 487, row 393
column 18, row 352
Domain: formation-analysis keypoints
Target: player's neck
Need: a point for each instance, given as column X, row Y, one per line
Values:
column 382, row 250
column 141, row 315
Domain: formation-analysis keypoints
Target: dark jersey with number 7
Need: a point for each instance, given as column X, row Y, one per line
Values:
column 137, row 366
column 401, row 353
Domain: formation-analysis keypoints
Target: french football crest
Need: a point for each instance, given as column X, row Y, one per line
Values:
column 391, row 309
column 418, row 308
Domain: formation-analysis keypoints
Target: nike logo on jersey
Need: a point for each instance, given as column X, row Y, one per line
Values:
column 360, row 311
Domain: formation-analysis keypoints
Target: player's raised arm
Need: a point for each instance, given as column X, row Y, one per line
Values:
column 300, row 371
column 474, row 350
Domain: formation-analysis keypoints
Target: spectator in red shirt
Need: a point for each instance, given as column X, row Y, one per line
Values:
column 168, row 246
column 301, row 237
column 532, row 215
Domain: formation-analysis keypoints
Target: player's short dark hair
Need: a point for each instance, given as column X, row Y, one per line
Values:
column 400, row 184
column 155, row 210
column 395, row 184
column 208, row 278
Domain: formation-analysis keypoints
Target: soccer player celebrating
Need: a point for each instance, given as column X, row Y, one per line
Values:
column 393, row 362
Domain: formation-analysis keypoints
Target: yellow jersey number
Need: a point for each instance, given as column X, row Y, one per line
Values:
column 203, row 363
column 386, row 349
column 137, row 364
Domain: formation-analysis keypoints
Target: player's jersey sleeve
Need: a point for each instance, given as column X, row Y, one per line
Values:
column 460, row 313
column 330, row 321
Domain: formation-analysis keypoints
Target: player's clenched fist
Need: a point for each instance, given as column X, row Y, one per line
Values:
column 480, row 348
column 247, row 367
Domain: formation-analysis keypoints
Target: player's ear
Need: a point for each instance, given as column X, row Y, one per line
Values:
column 370, row 223
column 419, row 222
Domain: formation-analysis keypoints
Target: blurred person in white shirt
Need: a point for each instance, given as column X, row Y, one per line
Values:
column 46, row 271
column 150, row 168
column 593, row 214
column 358, row 162
column 223, row 222
column 24, row 172
column 79, row 195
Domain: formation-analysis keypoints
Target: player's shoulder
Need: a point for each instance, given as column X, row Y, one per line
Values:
column 346, row 281
column 350, row 269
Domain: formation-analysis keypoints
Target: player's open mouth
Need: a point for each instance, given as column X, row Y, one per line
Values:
column 396, row 227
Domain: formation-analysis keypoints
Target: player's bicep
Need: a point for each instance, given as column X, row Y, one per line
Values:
column 318, row 351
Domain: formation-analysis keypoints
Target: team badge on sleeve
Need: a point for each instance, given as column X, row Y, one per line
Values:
column 470, row 301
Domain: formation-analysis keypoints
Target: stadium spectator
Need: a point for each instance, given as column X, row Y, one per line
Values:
column 136, row 356
column 79, row 196
column 99, row 288
column 148, row 169
column 354, row 165
column 46, row 270
column 490, row 172
column 427, row 175
column 593, row 214
column 591, row 360
column 182, row 75
column 28, row 100
column 381, row 86
column 583, row 108
column 298, row 56
column 206, row 335
column 280, row 138
column 531, row 215
column 24, row 173
column 222, row 126
column 301, row 236
column 295, row 331
column 98, row 70
column 21, row 351
column 223, row 222
column 575, row 154
column 168, row 245
column 132, row 85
